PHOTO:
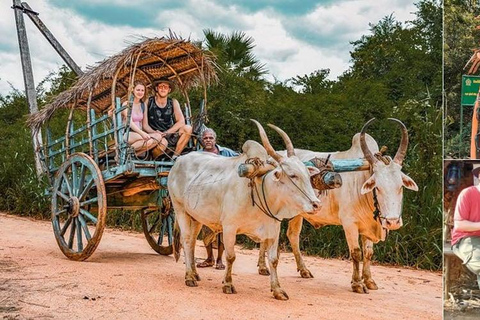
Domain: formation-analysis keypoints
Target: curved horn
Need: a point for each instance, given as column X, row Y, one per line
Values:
column 366, row 152
column 286, row 139
column 402, row 149
column 266, row 143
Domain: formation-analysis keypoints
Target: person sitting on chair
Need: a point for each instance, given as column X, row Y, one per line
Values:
column 466, row 228
column 165, row 117
column 140, row 140
column 210, row 145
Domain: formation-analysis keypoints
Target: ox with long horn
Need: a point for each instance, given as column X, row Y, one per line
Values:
column 206, row 190
column 402, row 149
column 368, row 204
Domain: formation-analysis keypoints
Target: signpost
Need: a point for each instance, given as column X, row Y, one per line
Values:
column 470, row 88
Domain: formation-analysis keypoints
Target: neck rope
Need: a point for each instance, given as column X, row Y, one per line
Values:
column 377, row 214
column 264, row 206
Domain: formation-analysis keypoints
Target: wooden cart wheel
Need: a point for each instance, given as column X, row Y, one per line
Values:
column 158, row 225
column 79, row 206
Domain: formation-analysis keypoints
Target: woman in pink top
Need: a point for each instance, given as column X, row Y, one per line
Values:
column 138, row 138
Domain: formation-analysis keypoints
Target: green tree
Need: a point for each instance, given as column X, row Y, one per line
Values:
column 234, row 53
column 20, row 190
column 316, row 82
column 461, row 36
column 407, row 59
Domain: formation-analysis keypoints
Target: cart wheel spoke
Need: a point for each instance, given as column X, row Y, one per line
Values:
column 162, row 231
column 62, row 195
column 67, row 183
column 83, row 223
column 155, row 227
column 78, row 186
column 65, row 226
column 86, row 189
column 60, row 212
column 79, row 235
column 89, row 201
column 74, row 179
column 81, row 180
column 88, row 215
column 72, row 235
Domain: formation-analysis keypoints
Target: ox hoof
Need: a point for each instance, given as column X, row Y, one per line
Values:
column 263, row 271
column 371, row 284
column 305, row 273
column 197, row 277
column 359, row 287
column 279, row 294
column 229, row 289
column 191, row 283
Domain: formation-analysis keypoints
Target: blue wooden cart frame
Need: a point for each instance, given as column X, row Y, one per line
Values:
column 92, row 168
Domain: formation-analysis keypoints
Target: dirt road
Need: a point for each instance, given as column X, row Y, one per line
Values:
column 125, row 279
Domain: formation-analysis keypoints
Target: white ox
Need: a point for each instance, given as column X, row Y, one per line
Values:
column 352, row 205
column 206, row 190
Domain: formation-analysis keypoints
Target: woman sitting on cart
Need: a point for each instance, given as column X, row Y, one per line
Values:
column 140, row 140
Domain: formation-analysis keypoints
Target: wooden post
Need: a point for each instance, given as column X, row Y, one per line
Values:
column 93, row 124
column 53, row 41
column 28, row 80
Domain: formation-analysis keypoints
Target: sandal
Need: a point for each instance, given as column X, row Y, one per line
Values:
column 205, row 264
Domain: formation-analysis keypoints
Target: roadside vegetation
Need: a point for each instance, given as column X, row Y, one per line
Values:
column 396, row 71
column 462, row 35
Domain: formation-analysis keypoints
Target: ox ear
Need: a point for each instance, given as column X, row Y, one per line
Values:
column 368, row 185
column 312, row 171
column 409, row 183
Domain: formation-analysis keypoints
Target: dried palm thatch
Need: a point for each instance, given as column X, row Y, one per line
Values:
column 179, row 60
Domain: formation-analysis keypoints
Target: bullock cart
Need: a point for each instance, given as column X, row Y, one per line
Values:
column 88, row 162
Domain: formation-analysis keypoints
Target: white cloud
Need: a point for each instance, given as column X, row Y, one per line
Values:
column 285, row 53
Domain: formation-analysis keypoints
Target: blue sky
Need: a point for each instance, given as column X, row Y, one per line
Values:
column 292, row 37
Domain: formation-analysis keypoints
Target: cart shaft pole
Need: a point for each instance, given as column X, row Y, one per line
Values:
column 29, row 81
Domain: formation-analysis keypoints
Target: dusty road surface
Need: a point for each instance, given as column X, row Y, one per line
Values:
column 125, row 279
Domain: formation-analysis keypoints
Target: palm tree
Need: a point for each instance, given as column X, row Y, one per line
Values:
column 234, row 53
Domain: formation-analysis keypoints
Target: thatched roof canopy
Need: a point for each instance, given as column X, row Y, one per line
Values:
column 180, row 60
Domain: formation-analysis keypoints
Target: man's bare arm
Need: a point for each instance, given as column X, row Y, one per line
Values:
column 465, row 225
column 178, row 116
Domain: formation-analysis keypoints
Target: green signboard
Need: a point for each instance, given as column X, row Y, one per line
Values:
column 470, row 86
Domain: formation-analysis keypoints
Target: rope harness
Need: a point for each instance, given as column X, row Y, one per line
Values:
column 263, row 206
column 377, row 214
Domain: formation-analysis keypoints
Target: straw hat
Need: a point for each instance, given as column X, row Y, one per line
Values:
column 163, row 80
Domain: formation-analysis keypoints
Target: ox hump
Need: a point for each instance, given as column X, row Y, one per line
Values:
column 371, row 143
column 253, row 149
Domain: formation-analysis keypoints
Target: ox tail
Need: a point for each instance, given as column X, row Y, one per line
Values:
column 176, row 241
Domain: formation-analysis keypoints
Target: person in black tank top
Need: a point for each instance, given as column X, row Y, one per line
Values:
column 165, row 117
